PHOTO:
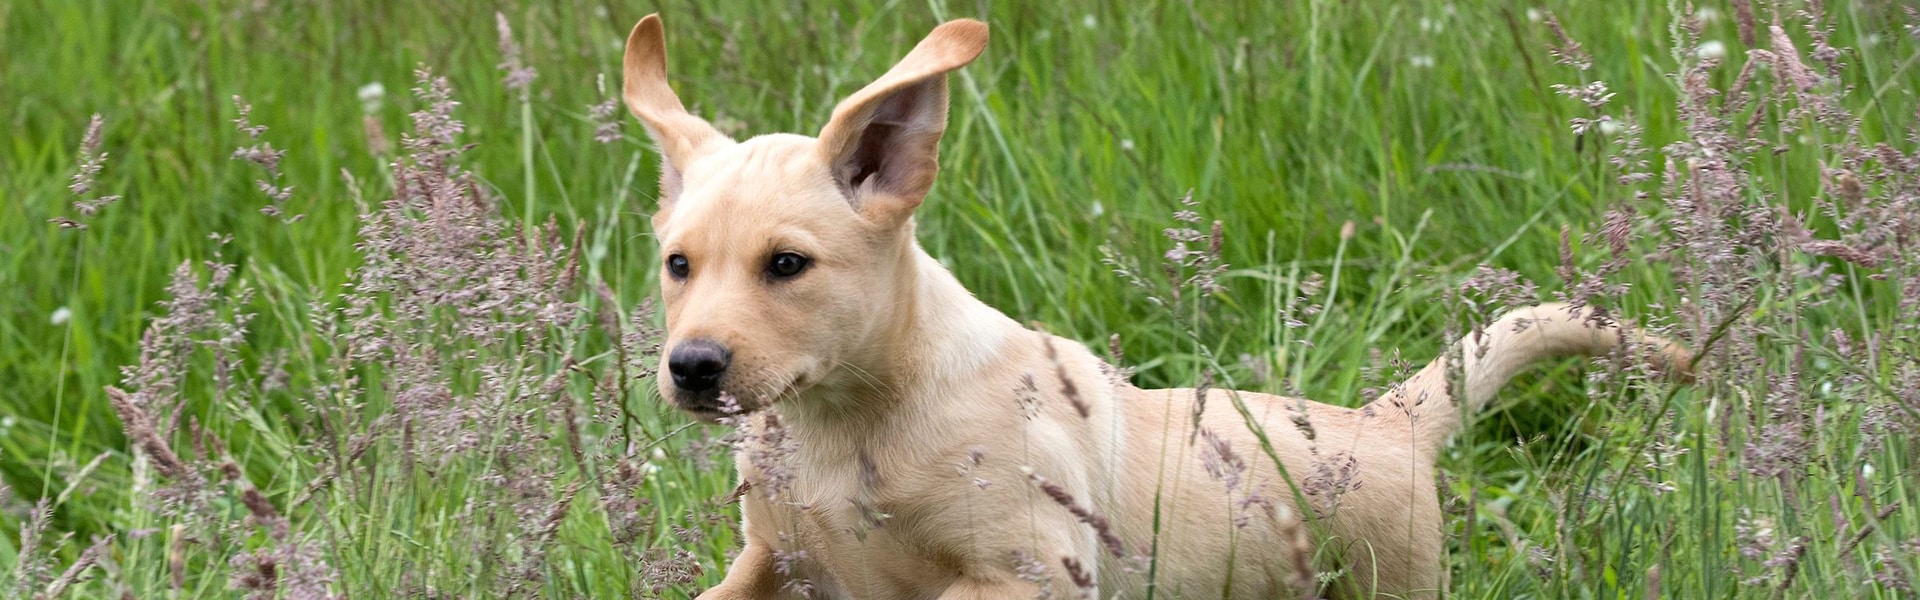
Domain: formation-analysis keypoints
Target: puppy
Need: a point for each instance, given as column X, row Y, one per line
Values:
column 906, row 440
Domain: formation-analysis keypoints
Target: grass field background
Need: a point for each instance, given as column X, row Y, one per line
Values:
column 1384, row 149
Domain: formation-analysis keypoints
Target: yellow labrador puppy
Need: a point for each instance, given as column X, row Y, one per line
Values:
column 904, row 440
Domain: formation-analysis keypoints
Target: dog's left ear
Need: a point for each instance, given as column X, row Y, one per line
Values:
column 883, row 143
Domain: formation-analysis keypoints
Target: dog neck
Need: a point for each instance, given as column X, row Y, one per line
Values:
column 939, row 335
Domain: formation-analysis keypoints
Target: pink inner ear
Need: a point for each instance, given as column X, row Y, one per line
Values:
column 670, row 183
column 896, row 150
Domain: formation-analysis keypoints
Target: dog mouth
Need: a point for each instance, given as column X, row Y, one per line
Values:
column 723, row 404
column 705, row 415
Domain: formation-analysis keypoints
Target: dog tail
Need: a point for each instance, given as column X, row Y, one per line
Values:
column 1513, row 342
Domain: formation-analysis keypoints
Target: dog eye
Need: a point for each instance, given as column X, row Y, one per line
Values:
column 677, row 265
column 787, row 264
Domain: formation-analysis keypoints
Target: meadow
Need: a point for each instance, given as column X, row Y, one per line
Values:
column 352, row 298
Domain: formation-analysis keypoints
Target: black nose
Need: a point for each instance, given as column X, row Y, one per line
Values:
column 697, row 364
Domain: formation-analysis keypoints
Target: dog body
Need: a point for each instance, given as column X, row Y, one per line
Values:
column 929, row 489
column 902, row 439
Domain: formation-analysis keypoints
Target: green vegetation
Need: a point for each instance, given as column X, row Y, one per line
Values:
column 1383, row 151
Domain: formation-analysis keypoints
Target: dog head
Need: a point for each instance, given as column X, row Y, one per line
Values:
column 782, row 256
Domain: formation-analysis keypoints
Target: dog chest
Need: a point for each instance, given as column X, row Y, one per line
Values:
column 867, row 523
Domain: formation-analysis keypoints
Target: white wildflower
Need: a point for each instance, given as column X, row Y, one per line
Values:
column 1711, row 50
column 371, row 95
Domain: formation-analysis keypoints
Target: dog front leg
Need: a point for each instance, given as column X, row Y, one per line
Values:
column 751, row 577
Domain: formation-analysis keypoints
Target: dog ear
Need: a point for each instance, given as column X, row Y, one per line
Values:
column 883, row 143
column 681, row 136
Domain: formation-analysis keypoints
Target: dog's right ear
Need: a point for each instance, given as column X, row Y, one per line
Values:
column 681, row 136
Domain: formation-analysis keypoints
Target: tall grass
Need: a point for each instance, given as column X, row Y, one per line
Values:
column 435, row 382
